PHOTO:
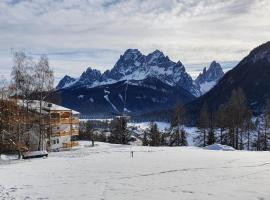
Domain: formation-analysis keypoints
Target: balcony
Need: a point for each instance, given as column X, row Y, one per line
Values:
column 65, row 121
column 70, row 144
column 65, row 133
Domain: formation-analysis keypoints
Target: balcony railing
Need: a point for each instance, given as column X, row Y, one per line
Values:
column 65, row 133
column 65, row 121
column 70, row 144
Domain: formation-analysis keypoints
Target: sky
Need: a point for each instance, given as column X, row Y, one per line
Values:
column 76, row 34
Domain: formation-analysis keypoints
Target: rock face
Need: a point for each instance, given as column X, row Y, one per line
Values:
column 143, row 83
column 252, row 75
column 209, row 77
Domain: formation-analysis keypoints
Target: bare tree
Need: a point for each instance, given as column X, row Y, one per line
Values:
column 266, row 126
column 44, row 80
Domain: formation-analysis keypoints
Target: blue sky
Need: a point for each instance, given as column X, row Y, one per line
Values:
column 76, row 34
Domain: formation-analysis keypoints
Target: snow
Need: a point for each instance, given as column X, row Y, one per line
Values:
column 162, row 126
column 81, row 96
column 144, row 125
column 108, row 172
column 108, row 100
column 91, row 100
column 121, row 98
column 206, row 86
column 35, row 104
column 219, row 147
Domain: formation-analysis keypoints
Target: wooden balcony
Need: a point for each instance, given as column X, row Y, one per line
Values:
column 65, row 133
column 65, row 121
column 70, row 144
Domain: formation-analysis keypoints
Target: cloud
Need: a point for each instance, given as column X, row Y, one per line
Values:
column 94, row 33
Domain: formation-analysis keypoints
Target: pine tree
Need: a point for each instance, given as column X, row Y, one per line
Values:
column 119, row 132
column 177, row 126
column 203, row 125
column 89, row 131
column 145, row 141
column 220, row 122
column 155, row 136
column 266, row 126
column 236, row 113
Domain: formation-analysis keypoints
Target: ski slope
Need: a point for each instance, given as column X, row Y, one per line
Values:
column 108, row 172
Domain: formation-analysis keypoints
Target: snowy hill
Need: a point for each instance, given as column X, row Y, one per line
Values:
column 209, row 77
column 108, row 172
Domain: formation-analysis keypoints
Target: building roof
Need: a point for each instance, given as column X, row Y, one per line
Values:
column 35, row 104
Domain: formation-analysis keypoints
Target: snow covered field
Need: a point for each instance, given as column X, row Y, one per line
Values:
column 108, row 172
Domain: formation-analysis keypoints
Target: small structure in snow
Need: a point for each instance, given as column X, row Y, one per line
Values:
column 34, row 154
column 219, row 147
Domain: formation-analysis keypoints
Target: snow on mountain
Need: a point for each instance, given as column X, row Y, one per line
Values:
column 209, row 77
column 65, row 82
column 133, row 65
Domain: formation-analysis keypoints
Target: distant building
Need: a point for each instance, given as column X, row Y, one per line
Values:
column 64, row 127
column 61, row 126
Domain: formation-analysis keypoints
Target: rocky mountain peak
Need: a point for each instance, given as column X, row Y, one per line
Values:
column 133, row 65
column 65, row 81
column 209, row 77
column 131, row 54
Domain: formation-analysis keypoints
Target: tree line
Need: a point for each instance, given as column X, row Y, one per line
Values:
column 233, row 124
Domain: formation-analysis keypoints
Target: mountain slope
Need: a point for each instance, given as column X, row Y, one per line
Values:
column 134, row 96
column 252, row 74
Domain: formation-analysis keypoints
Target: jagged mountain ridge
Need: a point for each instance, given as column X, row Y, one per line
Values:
column 151, row 83
column 252, row 75
column 133, row 65
column 65, row 82
column 209, row 77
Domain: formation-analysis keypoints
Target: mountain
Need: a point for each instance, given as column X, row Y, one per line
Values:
column 252, row 75
column 133, row 65
column 65, row 82
column 209, row 77
column 137, row 84
column 134, row 97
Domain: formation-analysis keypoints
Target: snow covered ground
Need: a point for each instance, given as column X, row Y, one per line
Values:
column 107, row 171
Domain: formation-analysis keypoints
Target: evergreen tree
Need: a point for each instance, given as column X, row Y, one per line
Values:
column 155, row 136
column 119, row 131
column 177, row 126
column 89, row 131
column 266, row 127
column 203, row 125
column 236, row 113
column 145, row 141
column 220, row 122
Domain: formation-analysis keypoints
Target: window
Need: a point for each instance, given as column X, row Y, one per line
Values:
column 57, row 141
column 65, row 115
column 55, row 115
